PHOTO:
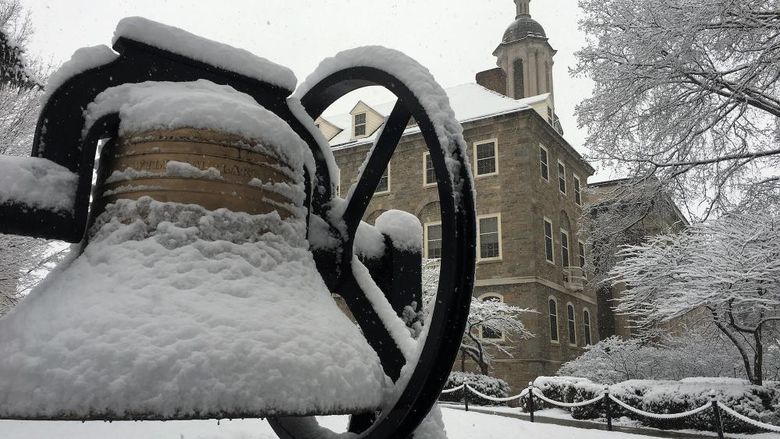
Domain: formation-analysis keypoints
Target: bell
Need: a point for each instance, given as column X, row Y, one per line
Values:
column 196, row 294
column 211, row 243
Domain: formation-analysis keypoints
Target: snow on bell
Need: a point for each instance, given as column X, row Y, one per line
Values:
column 195, row 294
column 211, row 240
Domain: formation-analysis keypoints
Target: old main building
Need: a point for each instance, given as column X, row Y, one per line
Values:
column 530, row 189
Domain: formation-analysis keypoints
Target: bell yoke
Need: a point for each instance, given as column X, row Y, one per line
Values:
column 252, row 189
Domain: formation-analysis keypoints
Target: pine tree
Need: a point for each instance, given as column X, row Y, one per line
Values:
column 12, row 66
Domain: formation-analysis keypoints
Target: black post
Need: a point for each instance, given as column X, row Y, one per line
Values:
column 531, row 400
column 608, row 408
column 716, row 415
column 466, row 395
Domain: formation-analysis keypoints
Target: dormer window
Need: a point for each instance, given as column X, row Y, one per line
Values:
column 360, row 124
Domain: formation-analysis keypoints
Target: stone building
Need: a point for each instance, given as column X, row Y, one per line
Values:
column 530, row 186
column 657, row 214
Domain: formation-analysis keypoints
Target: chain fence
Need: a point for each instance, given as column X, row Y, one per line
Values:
column 607, row 399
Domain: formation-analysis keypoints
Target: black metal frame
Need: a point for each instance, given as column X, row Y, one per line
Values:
column 59, row 130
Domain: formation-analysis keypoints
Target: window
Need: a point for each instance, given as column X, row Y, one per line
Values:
column 577, row 191
column 544, row 167
column 429, row 174
column 490, row 333
column 384, row 182
column 485, row 158
column 564, row 248
column 553, row 305
column 489, row 237
column 548, row 241
column 360, row 124
column 586, row 326
column 550, row 118
column 562, row 177
column 581, row 253
column 572, row 325
column 433, row 241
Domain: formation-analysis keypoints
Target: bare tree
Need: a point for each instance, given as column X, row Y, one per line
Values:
column 727, row 270
column 687, row 91
column 491, row 323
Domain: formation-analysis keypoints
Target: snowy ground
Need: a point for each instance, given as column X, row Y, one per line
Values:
column 460, row 425
column 623, row 422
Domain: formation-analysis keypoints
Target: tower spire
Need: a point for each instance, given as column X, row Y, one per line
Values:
column 523, row 8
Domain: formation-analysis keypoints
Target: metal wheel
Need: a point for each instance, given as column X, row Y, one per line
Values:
column 457, row 266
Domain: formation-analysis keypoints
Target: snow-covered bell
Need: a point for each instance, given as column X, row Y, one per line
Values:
column 195, row 293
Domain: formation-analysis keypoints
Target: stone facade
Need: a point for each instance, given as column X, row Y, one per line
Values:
column 520, row 199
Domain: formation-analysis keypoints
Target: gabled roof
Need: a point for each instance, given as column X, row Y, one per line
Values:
column 468, row 101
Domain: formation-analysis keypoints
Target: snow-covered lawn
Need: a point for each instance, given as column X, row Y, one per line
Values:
column 460, row 425
column 557, row 413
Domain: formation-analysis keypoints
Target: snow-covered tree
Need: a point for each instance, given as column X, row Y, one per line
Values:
column 15, row 29
column 727, row 270
column 624, row 215
column 491, row 323
column 687, row 91
column 697, row 352
column 19, row 94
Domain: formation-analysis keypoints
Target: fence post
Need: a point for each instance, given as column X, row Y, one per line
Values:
column 466, row 395
column 531, row 400
column 716, row 415
column 608, row 408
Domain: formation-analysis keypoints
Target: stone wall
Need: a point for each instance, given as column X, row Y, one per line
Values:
column 522, row 199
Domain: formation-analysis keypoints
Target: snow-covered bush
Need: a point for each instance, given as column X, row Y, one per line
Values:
column 699, row 352
column 666, row 396
column 487, row 385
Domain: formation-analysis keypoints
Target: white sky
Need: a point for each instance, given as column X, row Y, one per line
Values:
column 453, row 38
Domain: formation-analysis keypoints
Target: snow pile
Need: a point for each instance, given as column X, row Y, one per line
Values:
column 130, row 174
column 210, row 52
column 432, row 427
column 83, row 59
column 369, row 242
column 202, row 105
column 419, row 81
column 403, row 228
column 173, row 168
column 178, row 311
column 186, row 170
column 37, row 183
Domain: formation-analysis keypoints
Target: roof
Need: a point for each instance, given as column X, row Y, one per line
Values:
column 524, row 26
column 468, row 101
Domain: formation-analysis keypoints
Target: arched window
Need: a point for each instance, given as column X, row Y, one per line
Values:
column 519, row 79
column 586, row 326
column 553, row 305
column 486, row 332
column 572, row 324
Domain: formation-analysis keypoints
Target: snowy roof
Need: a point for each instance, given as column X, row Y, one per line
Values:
column 468, row 101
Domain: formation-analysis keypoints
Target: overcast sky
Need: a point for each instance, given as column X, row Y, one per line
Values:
column 453, row 38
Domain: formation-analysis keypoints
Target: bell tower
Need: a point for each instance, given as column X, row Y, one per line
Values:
column 525, row 56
